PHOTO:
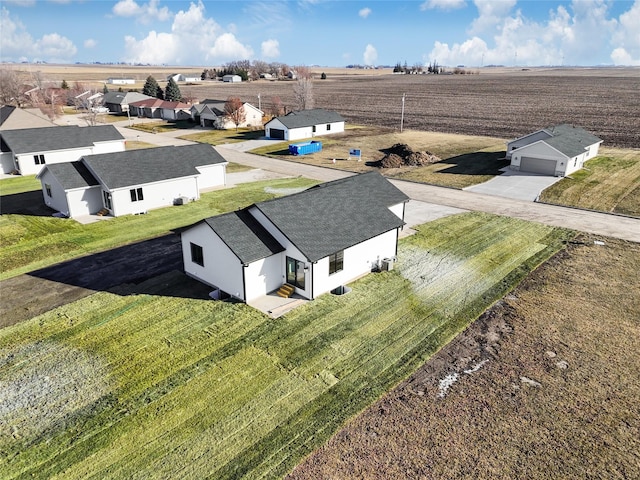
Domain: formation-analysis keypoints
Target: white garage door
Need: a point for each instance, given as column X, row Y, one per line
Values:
column 538, row 165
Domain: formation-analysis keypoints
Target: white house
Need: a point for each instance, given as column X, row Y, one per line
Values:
column 121, row 81
column 314, row 241
column 558, row 150
column 232, row 78
column 28, row 150
column 134, row 181
column 180, row 77
column 156, row 108
column 304, row 124
column 210, row 113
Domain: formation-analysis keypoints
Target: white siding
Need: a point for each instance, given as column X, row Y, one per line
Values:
column 212, row 175
column 526, row 140
column 543, row 151
column 84, row 201
column 221, row 268
column 264, row 276
column 398, row 209
column 155, row 195
column 58, row 198
column 6, row 160
column 358, row 261
column 29, row 167
column 108, row 147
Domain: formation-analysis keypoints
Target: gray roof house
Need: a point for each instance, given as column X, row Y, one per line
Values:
column 14, row 118
column 28, row 150
column 557, row 150
column 304, row 124
column 312, row 242
column 118, row 102
column 133, row 181
column 211, row 113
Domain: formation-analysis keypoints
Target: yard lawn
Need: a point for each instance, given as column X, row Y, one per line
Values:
column 609, row 182
column 218, row 137
column 466, row 160
column 31, row 242
column 19, row 184
column 143, row 385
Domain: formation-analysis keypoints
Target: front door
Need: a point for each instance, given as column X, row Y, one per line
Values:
column 295, row 273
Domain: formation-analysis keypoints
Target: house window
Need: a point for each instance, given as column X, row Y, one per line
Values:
column 197, row 255
column 336, row 262
column 313, row 129
column 38, row 159
column 136, row 194
column 328, row 127
column 295, row 273
column 47, row 189
column 107, row 199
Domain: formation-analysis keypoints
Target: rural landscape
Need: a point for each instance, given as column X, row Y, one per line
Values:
column 497, row 346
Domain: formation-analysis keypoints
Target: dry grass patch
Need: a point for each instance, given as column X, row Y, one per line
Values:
column 610, row 182
column 544, row 385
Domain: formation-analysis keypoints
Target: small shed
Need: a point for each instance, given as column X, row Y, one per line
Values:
column 232, row 78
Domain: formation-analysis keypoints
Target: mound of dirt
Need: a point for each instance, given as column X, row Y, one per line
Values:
column 401, row 155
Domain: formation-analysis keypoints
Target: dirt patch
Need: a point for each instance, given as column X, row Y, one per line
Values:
column 543, row 385
column 401, row 155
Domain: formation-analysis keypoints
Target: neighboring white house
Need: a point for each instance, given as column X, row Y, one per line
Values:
column 210, row 113
column 315, row 241
column 133, row 181
column 558, row 150
column 232, row 78
column 28, row 150
column 304, row 124
column 121, row 81
column 179, row 77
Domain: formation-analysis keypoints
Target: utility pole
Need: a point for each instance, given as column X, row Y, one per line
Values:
column 402, row 115
column 259, row 103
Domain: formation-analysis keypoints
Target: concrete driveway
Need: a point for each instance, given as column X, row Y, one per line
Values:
column 516, row 185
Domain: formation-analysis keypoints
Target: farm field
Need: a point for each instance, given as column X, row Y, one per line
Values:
column 36, row 239
column 241, row 394
column 543, row 385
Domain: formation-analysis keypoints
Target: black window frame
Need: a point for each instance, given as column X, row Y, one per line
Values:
column 136, row 194
column 328, row 127
column 108, row 201
column 39, row 159
column 197, row 254
column 336, row 262
column 47, row 189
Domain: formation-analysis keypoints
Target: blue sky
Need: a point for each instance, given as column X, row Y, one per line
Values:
column 323, row 32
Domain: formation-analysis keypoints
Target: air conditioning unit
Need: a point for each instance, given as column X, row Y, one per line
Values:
column 387, row 264
column 181, row 201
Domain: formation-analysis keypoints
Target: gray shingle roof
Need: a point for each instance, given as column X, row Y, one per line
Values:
column 29, row 140
column 246, row 238
column 336, row 215
column 138, row 167
column 124, row 97
column 308, row 118
column 71, row 175
column 570, row 140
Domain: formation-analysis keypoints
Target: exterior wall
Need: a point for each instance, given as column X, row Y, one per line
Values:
column 253, row 116
column 109, row 147
column 171, row 114
column 58, row 199
column 307, row 132
column 543, row 151
column 212, row 175
column 28, row 166
column 7, row 162
column 526, row 140
column 358, row 261
column 264, row 276
column 398, row 210
column 221, row 269
column 84, row 201
column 156, row 195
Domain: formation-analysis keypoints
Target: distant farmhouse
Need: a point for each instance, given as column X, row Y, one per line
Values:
column 232, row 78
column 558, row 150
column 121, row 81
column 132, row 182
column 28, row 150
column 179, row 77
column 210, row 113
column 309, row 243
column 304, row 124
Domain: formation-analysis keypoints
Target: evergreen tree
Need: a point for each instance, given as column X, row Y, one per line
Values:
column 172, row 92
column 151, row 87
column 64, row 85
column 105, row 90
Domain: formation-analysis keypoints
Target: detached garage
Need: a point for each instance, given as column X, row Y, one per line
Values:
column 304, row 124
column 559, row 150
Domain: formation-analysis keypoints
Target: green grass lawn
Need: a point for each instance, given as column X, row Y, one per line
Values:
column 163, row 126
column 153, row 386
column 609, row 183
column 217, row 137
column 31, row 242
column 19, row 184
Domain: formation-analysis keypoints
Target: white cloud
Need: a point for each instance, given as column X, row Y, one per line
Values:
column 370, row 55
column 581, row 34
column 270, row 48
column 443, row 4
column 21, row 3
column 145, row 12
column 90, row 43
column 194, row 40
column 364, row 12
column 19, row 45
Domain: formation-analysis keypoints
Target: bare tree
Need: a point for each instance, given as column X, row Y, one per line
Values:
column 10, row 88
column 303, row 93
column 302, row 71
column 277, row 107
column 234, row 111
